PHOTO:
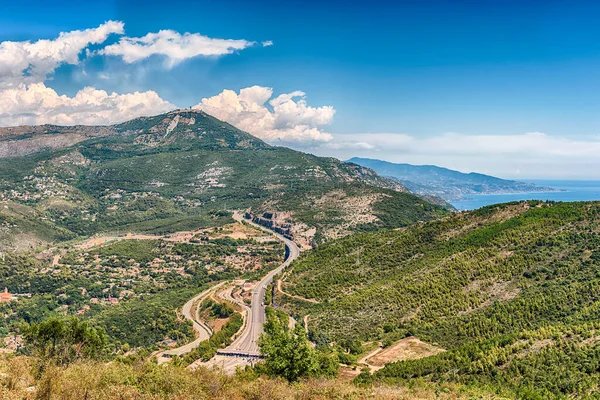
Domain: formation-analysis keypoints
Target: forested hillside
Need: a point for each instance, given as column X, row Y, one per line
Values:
column 511, row 291
column 180, row 171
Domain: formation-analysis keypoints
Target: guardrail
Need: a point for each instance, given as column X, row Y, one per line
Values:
column 240, row 354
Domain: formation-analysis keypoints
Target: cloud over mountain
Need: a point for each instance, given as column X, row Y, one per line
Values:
column 25, row 66
column 37, row 104
column 286, row 118
column 510, row 156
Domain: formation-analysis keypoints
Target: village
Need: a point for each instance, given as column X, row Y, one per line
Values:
column 106, row 271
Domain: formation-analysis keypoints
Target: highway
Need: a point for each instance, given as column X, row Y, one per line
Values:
column 247, row 342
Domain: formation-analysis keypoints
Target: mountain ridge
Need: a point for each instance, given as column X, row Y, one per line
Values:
column 446, row 183
column 170, row 171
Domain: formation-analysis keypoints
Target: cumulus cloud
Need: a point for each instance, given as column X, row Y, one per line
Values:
column 26, row 61
column 267, row 43
column 286, row 118
column 37, row 104
column 26, row 65
column 25, row 99
column 174, row 46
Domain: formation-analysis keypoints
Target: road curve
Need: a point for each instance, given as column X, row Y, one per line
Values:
column 247, row 342
column 203, row 331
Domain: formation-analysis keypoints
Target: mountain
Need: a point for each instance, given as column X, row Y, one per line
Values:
column 446, row 183
column 511, row 292
column 179, row 171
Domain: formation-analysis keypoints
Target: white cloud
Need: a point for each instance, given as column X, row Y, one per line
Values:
column 286, row 119
column 528, row 155
column 337, row 145
column 26, row 62
column 37, row 104
column 174, row 46
column 267, row 43
column 527, row 144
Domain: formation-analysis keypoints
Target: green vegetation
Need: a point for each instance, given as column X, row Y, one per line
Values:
column 142, row 251
column 148, row 319
column 64, row 341
column 288, row 352
column 511, row 291
column 217, row 310
column 207, row 349
column 554, row 362
column 132, row 288
column 139, row 179
column 142, row 179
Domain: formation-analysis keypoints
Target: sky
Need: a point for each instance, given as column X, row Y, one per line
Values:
column 508, row 88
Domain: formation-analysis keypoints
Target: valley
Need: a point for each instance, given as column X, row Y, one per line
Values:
column 338, row 200
column 140, row 231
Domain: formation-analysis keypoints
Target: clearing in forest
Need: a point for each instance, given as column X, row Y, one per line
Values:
column 409, row 348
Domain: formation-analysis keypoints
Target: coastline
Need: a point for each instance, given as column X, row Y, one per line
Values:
column 566, row 191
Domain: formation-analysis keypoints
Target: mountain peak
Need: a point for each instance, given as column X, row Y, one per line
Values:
column 187, row 126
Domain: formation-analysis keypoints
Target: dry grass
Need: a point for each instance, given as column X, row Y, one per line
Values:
column 115, row 381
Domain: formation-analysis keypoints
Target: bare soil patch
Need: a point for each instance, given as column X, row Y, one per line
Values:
column 217, row 324
column 347, row 374
column 409, row 348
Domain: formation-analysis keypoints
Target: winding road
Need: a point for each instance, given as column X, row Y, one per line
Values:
column 247, row 343
column 202, row 330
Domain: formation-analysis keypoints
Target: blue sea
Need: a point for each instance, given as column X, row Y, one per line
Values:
column 573, row 191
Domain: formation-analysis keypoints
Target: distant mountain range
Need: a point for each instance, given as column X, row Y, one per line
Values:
column 446, row 183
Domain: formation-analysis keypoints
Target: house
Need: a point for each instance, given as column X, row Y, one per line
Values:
column 5, row 297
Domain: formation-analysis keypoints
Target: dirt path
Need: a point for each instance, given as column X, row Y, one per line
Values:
column 365, row 360
column 239, row 231
column 55, row 260
column 280, row 290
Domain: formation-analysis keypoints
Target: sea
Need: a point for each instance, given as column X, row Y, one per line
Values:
column 571, row 191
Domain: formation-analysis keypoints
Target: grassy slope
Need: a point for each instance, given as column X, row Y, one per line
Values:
column 512, row 291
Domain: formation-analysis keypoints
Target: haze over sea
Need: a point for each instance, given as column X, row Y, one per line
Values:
column 573, row 190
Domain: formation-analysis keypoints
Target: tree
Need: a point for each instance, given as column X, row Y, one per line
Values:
column 288, row 353
column 64, row 340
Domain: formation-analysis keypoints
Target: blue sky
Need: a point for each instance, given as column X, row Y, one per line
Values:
column 503, row 87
